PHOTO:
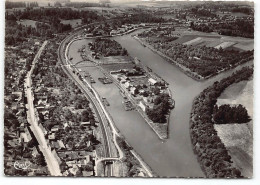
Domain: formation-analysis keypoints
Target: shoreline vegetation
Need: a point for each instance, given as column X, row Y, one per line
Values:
column 154, row 101
column 160, row 129
column 186, row 70
column 133, row 160
column 144, row 167
column 168, row 59
column 211, row 153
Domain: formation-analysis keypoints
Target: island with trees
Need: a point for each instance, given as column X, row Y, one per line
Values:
column 107, row 47
column 141, row 88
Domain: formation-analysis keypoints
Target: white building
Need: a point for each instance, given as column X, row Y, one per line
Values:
column 132, row 90
column 127, row 84
column 142, row 105
column 152, row 81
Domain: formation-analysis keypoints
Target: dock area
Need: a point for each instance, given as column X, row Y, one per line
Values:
column 105, row 80
column 104, row 100
column 128, row 105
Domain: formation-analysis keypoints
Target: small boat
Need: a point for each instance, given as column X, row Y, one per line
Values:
column 104, row 100
column 92, row 80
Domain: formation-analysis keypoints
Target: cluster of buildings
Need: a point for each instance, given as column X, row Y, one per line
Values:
column 112, row 30
column 140, row 87
column 21, row 137
column 69, row 141
column 184, row 16
column 162, row 30
column 124, row 29
column 226, row 17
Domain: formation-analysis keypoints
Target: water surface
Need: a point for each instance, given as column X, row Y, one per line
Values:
column 173, row 157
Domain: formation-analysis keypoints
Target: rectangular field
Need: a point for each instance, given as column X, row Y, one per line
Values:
column 116, row 67
column 217, row 41
column 225, row 45
column 238, row 138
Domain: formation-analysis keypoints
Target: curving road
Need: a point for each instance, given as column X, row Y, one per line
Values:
column 93, row 97
column 62, row 54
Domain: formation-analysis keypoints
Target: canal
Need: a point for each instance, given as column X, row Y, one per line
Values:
column 174, row 157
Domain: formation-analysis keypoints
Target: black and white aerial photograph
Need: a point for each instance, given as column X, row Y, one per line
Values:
column 128, row 89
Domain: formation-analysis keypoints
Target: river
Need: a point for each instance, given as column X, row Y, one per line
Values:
column 174, row 157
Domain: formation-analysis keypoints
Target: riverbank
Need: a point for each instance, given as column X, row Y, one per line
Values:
column 238, row 138
column 115, row 131
column 167, row 159
column 161, row 129
column 187, row 71
column 212, row 154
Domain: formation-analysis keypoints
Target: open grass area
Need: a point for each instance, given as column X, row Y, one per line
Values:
column 238, row 14
column 116, row 59
column 73, row 22
column 239, row 93
column 185, row 38
column 194, row 41
column 195, row 38
column 225, row 45
column 116, row 67
column 245, row 45
column 27, row 22
column 238, row 138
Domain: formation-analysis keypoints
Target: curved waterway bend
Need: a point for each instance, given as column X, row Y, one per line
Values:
column 174, row 157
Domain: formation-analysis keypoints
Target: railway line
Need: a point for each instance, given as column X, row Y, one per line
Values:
column 87, row 92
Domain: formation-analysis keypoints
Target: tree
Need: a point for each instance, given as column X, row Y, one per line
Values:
column 227, row 114
column 39, row 160
column 85, row 116
column 156, row 91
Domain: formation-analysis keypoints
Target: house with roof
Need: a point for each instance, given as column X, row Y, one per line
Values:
column 51, row 136
column 113, row 32
column 61, row 144
column 127, row 84
column 142, row 105
column 86, row 123
column 55, row 128
column 74, row 169
column 152, row 81
column 25, row 137
column 132, row 90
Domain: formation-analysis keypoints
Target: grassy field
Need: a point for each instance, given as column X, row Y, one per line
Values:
column 239, row 93
column 238, row 138
column 238, row 14
column 225, row 45
column 27, row 22
column 245, row 45
column 116, row 67
column 116, row 59
column 195, row 38
column 73, row 22
column 194, row 41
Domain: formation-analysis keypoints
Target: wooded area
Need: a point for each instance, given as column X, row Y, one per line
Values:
column 108, row 47
column 211, row 152
column 230, row 114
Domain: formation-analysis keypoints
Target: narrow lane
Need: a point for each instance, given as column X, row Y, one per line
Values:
column 51, row 161
column 102, row 119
